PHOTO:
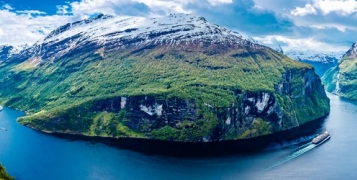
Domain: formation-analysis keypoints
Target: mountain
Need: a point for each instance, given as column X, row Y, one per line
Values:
column 319, row 60
column 7, row 51
column 309, row 55
column 175, row 78
column 341, row 79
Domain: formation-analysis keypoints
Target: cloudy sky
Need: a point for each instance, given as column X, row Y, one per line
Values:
column 320, row 25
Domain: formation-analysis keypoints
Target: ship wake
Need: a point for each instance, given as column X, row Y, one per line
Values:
column 300, row 151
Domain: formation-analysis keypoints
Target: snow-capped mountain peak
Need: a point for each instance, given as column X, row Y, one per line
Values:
column 78, row 24
column 107, row 33
column 123, row 32
column 309, row 55
column 178, row 27
column 7, row 51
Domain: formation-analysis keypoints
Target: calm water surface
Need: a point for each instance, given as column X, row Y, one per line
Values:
column 28, row 154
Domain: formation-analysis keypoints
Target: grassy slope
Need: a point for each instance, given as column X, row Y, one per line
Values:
column 59, row 87
column 73, row 81
column 348, row 78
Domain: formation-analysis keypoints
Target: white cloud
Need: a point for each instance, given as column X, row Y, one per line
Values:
column 95, row 6
column 344, row 7
column 62, row 9
column 341, row 7
column 30, row 12
column 340, row 27
column 8, row 7
column 302, row 44
column 28, row 26
column 308, row 9
column 339, row 14
column 178, row 6
column 217, row 2
column 111, row 6
column 17, row 29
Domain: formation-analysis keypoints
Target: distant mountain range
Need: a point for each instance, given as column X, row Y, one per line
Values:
column 314, row 56
column 342, row 79
column 174, row 78
column 7, row 51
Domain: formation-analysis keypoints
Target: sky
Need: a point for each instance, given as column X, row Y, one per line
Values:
column 314, row 25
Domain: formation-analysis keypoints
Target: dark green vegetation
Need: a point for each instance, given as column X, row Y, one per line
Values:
column 342, row 79
column 4, row 175
column 329, row 79
column 180, row 94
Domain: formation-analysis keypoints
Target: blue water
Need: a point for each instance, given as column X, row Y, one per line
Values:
column 28, row 154
column 320, row 68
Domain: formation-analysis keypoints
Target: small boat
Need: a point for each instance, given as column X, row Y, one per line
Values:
column 321, row 138
column 3, row 128
column 1, row 108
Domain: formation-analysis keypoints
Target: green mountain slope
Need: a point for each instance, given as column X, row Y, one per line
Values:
column 342, row 79
column 194, row 91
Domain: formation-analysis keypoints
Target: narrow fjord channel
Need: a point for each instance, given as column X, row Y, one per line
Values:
column 28, row 154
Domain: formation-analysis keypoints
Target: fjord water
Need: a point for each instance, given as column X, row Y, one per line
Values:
column 320, row 68
column 28, row 154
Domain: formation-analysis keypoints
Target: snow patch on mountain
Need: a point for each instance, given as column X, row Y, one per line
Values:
column 314, row 56
column 8, row 51
column 18, row 49
column 176, row 27
column 5, row 52
column 121, row 32
column 107, row 33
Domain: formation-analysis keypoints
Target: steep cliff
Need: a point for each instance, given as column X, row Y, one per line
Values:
column 176, row 78
column 250, row 114
column 342, row 79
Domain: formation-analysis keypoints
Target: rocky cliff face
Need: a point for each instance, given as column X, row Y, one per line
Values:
column 176, row 78
column 252, row 114
column 341, row 78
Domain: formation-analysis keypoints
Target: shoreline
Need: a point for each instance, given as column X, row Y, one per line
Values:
column 200, row 149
